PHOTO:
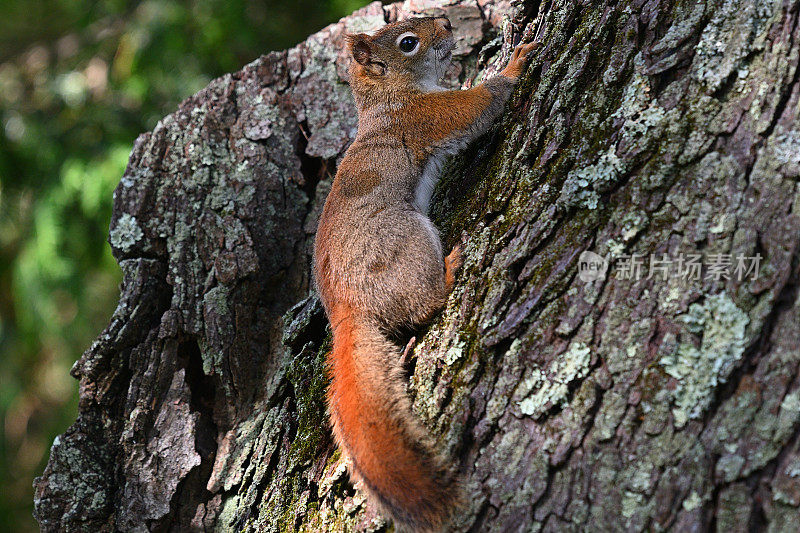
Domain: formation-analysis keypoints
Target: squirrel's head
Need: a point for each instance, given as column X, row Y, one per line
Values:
column 412, row 52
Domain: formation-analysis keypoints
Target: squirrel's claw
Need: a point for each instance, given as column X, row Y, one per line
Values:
column 408, row 352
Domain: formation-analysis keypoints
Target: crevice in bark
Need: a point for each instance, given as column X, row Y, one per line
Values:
column 790, row 89
column 313, row 169
column 481, row 516
column 723, row 90
column 203, row 390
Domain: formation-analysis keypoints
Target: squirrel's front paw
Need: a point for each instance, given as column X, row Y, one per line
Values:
column 519, row 58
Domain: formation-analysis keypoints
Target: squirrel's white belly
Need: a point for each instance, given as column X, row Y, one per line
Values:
column 432, row 172
column 427, row 182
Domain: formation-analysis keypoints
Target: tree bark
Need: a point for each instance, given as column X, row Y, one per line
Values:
column 663, row 403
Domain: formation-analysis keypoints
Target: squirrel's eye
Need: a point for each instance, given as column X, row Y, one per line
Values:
column 407, row 44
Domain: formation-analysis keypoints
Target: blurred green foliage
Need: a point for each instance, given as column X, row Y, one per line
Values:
column 78, row 82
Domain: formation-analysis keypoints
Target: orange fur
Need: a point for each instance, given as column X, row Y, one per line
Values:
column 457, row 110
column 389, row 454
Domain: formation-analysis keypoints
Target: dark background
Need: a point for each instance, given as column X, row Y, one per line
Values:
column 78, row 82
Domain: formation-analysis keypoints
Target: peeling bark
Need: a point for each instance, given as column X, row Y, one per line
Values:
column 663, row 403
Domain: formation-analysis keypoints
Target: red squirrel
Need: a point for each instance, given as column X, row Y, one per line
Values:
column 378, row 260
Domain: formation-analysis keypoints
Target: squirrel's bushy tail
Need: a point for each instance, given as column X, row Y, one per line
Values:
column 374, row 425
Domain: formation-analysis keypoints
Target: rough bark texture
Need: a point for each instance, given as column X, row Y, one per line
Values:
column 647, row 127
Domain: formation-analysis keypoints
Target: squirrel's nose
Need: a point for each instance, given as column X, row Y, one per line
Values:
column 445, row 22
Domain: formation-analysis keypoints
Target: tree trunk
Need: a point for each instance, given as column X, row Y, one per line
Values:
column 572, row 400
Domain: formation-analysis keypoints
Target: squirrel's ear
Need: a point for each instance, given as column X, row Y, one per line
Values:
column 359, row 46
